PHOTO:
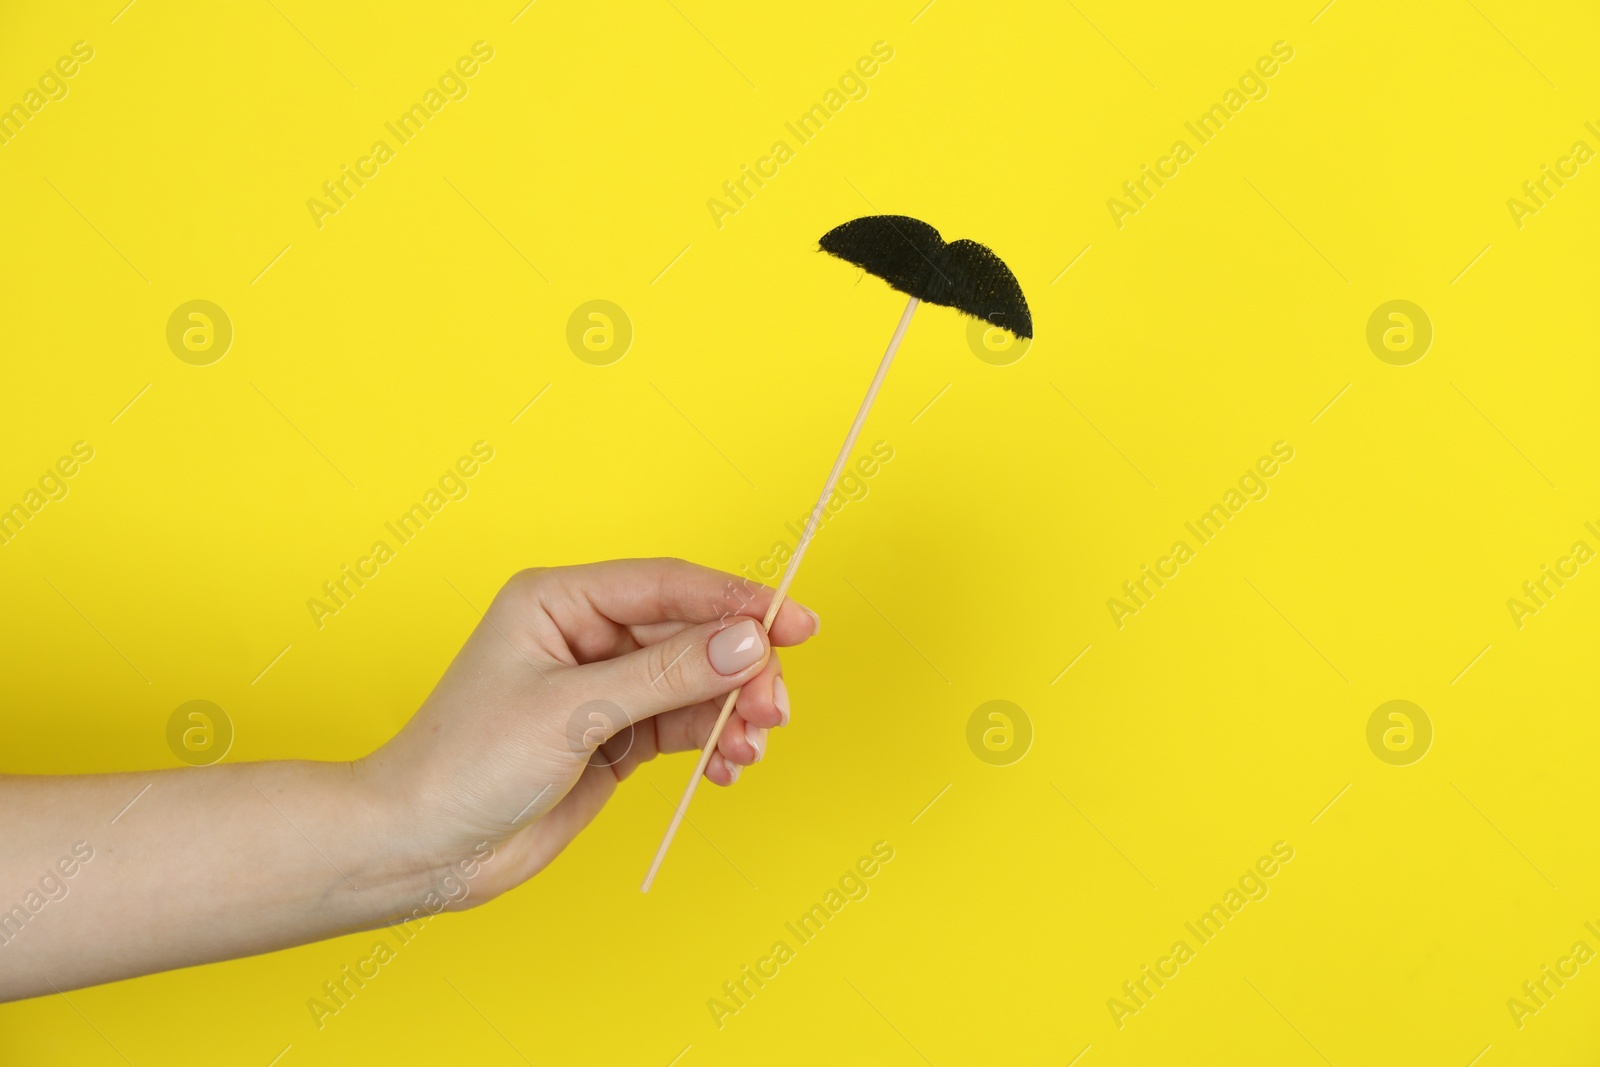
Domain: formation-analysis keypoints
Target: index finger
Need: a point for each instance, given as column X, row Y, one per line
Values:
column 645, row 592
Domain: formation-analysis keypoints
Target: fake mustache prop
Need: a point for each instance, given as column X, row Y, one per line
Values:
column 912, row 257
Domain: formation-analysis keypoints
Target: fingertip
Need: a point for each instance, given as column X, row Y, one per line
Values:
column 734, row 745
column 780, row 699
column 757, row 704
column 720, row 772
column 764, row 716
column 795, row 624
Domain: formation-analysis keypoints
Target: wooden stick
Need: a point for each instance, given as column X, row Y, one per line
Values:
column 783, row 586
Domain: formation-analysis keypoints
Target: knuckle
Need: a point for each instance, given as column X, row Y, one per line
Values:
column 519, row 594
column 529, row 575
column 525, row 581
column 668, row 668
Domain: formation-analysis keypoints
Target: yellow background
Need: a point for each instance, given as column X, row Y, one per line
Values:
column 1223, row 317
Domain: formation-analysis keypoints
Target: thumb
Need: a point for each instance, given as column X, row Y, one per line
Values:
column 694, row 665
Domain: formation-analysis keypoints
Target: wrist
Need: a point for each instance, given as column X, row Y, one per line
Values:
column 393, row 865
column 428, row 867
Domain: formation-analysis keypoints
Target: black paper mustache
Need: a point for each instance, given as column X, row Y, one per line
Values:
column 911, row 256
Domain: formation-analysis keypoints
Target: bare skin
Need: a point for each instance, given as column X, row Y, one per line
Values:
column 575, row 676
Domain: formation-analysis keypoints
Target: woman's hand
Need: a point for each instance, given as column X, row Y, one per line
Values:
column 574, row 677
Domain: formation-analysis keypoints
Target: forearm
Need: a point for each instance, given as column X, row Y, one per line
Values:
column 110, row 876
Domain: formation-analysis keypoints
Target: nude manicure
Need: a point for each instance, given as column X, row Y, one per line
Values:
column 732, row 650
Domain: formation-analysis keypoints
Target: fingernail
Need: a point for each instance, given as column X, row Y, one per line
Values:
column 733, row 772
column 780, row 697
column 816, row 622
column 734, row 649
column 757, row 736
